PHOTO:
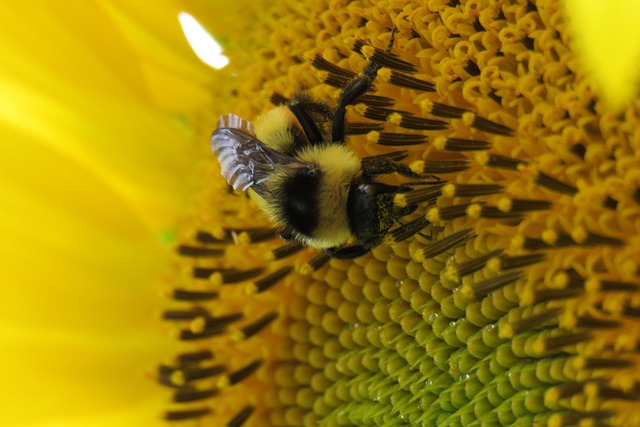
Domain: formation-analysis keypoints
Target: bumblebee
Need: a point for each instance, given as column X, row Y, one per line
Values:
column 296, row 166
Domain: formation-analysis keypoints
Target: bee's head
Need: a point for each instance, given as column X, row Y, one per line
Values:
column 372, row 211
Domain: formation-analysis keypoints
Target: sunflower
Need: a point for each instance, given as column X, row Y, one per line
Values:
column 509, row 298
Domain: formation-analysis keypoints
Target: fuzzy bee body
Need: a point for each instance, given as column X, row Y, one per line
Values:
column 297, row 168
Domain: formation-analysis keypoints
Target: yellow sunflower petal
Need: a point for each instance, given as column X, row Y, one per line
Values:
column 608, row 37
column 96, row 164
column 66, row 105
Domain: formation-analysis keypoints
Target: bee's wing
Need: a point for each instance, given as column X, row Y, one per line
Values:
column 235, row 122
column 244, row 160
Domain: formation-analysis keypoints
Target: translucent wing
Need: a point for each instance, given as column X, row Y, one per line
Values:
column 245, row 161
column 235, row 122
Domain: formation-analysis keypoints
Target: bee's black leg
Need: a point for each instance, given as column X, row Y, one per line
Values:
column 347, row 252
column 354, row 89
column 305, row 109
column 407, row 228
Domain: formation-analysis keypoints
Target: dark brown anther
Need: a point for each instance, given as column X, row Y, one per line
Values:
column 189, row 295
column 459, row 144
column 269, row 281
column 198, row 252
column 403, row 80
column 473, row 265
column 242, row 416
column 189, row 414
column 391, row 139
column 188, row 394
column 449, row 242
column 553, row 184
column 242, row 373
column 483, row 288
column 257, row 326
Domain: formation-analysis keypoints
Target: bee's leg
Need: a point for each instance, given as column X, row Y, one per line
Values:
column 306, row 109
column 309, row 127
column 347, row 252
column 354, row 89
column 410, row 229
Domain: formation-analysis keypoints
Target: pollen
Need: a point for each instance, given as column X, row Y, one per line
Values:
column 507, row 294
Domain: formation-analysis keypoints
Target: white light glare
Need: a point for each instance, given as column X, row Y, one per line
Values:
column 205, row 46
